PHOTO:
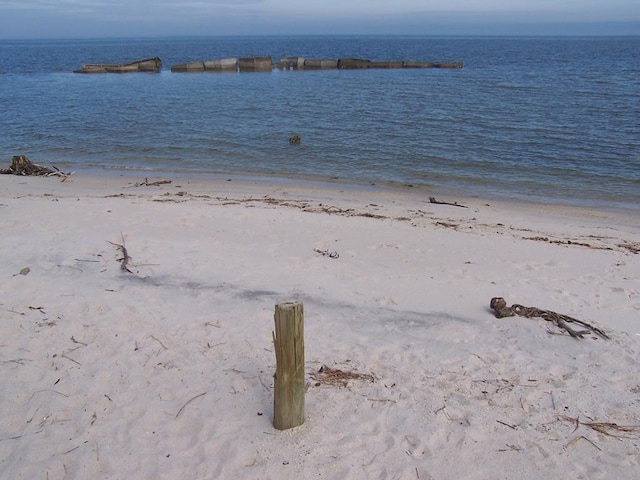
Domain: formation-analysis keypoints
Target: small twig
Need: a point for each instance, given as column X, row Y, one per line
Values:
column 266, row 387
column 69, row 358
column 59, row 173
column 507, row 425
column 183, row 407
column 438, row 202
column 76, row 341
column 69, row 451
column 163, row 345
column 572, row 442
column 19, row 361
column 54, row 391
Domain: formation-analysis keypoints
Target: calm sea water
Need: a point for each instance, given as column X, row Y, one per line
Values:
column 553, row 119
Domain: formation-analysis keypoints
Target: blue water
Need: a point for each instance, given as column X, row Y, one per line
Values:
column 552, row 119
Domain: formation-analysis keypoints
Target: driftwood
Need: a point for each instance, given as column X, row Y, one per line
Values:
column 21, row 165
column 438, row 202
column 124, row 261
column 499, row 306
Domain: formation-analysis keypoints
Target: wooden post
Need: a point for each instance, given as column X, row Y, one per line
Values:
column 288, row 341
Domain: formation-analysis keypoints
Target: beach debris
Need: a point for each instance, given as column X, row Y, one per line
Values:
column 21, row 165
column 124, row 261
column 295, row 140
column 438, row 202
column 499, row 306
column 161, row 344
column 25, row 271
column 188, row 402
column 632, row 247
column 338, row 378
column 605, row 428
column 568, row 243
column 581, row 437
column 448, row 224
column 327, row 253
column 147, row 183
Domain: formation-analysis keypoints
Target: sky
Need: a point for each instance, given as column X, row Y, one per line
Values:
column 35, row 19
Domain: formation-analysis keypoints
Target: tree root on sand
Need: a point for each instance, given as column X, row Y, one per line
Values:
column 499, row 306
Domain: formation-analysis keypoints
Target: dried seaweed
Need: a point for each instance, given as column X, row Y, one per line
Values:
column 147, row 183
column 606, row 428
column 338, row 378
column 568, row 243
column 632, row 247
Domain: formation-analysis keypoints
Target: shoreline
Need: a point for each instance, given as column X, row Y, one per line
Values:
column 320, row 182
column 564, row 225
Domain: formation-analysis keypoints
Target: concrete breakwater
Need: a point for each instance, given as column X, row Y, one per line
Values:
column 265, row 64
column 147, row 65
column 258, row 64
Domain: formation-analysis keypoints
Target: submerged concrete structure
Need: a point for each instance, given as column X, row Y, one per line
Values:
column 147, row 65
column 255, row 64
column 259, row 64
column 264, row 64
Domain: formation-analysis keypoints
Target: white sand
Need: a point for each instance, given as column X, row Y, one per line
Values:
column 166, row 372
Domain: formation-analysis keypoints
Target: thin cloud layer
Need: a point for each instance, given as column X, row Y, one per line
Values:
column 60, row 18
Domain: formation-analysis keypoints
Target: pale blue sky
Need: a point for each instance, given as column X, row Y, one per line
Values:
column 118, row 18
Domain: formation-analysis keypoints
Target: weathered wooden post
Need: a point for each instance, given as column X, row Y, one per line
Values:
column 288, row 341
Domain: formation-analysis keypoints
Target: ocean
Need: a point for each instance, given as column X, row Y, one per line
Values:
column 547, row 119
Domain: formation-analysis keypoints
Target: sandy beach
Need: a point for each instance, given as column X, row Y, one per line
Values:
column 162, row 366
